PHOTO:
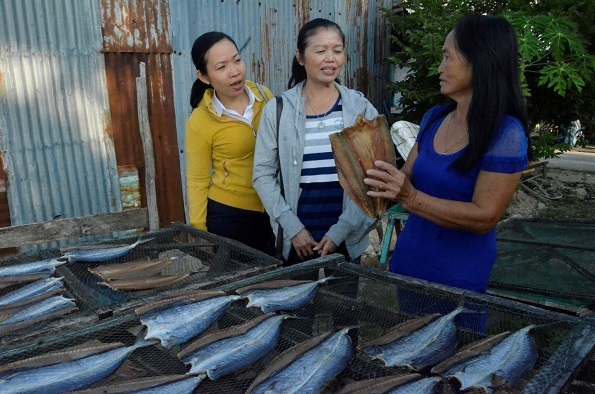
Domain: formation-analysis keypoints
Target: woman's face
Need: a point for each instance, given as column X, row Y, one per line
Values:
column 455, row 71
column 324, row 56
column 226, row 71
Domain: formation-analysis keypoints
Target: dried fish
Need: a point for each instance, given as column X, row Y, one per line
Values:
column 307, row 367
column 398, row 384
column 152, row 282
column 177, row 320
column 28, row 272
column 355, row 149
column 65, row 371
column 281, row 295
column 96, row 253
column 428, row 345
column 499, row 367
column 44, row 310
column 28, row 294
column 231, row 349
column 131, row 269
column 178, row 384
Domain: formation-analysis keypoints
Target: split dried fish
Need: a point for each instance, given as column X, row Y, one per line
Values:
column 44, row 310
column 398, row 384
column 96, row 253
column 355, row 149
column 65, row 371
column 177, row 384
column 179, row 319
column 231, row 349
column 307, row 367
column 131, row 269
column 432, row 341
column 152, row 282
column 500, row 367
column 28, row 294
column 28, row 272
column 280, row 295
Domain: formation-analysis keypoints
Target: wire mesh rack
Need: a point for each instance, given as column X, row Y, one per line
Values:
column 367, row 300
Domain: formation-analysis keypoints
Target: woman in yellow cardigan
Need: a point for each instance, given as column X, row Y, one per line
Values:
column 220, row 141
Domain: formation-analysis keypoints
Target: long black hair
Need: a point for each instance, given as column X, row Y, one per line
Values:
column 489, row 44
column 199, row 51
column 298, row 72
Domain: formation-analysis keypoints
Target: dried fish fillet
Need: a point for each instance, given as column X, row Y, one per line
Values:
column 127, row 270
column 152, row 282
column 355, row 149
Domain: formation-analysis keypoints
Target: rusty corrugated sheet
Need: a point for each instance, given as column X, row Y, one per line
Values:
column 136, row 26
column 122, row 58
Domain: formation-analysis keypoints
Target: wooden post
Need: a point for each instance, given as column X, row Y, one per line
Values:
column 145, row 132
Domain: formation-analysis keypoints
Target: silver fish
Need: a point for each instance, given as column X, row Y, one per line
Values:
column 178, row 384
column 396, row 384
column 69, row 374
column 28, row 272
column 307, row 367
column 501, row 367
column 33, row 292
column 100, row 254
column 283, row 295
column 236, row 347
column 44, row 310
column 425, row 346
column 179, row 319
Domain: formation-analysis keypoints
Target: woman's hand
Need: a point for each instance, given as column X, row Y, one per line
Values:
column 326, row 246
column 304, row 244
column 390, row 183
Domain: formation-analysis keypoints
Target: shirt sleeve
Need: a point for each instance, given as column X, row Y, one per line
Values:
column 198, row 168
column 507, row 153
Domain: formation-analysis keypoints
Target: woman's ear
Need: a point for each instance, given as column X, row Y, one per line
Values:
column 298, row 56
column 202, row 77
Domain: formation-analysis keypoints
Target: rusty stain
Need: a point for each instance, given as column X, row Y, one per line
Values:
column 136, row 26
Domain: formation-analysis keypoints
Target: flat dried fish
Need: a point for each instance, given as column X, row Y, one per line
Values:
column 28, row 272
column 97, row 253
column 307, row 367
column 176, row 384
column 152, row 282
column 355, row 149
column 131, row 269
column 44, row 310
column 397, row 384
column 31, row 293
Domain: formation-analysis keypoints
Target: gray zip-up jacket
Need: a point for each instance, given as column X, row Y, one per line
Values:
column 353, row 222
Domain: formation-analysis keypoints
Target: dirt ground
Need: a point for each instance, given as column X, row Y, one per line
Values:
column 557, row 195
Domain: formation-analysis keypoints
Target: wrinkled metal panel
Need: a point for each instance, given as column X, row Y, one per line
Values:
column 54, row 116
column 266, row 33
column 136, row 26
column 136, row 31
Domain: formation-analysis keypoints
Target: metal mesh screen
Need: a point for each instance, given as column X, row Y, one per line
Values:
column 368, row 300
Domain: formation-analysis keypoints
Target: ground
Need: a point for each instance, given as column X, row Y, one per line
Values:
column 556, row 195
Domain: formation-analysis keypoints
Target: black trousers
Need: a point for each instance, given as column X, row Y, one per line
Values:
column 249, row 227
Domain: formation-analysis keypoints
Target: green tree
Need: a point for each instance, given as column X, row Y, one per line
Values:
column 557, row 62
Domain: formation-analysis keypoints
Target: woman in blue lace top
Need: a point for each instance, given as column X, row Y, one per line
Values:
column 466, row 163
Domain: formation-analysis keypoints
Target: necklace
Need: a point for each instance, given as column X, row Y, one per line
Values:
column 446, row 149
column 321, row 123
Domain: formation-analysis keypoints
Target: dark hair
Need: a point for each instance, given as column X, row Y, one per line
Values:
column 298, row 72
column 199, row 51
column 489, row 44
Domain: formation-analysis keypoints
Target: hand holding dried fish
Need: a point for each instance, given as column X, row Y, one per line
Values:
column 94, row 253
column 177, row 320
column 280, row 295
column 28, row 294
column 307, row 367
column 227, row 351
column 398, row 384
column 44, row 310
column 65, row 371
column 28, row 272
column 131, row 269
column 498, row 367
column 355, row 149
column 171, row 384
column 417, row 343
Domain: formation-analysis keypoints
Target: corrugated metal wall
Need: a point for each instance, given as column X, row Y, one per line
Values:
column 54, row 113
column 266, row 33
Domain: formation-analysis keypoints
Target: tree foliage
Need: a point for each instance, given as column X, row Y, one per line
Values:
column 557, row 61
